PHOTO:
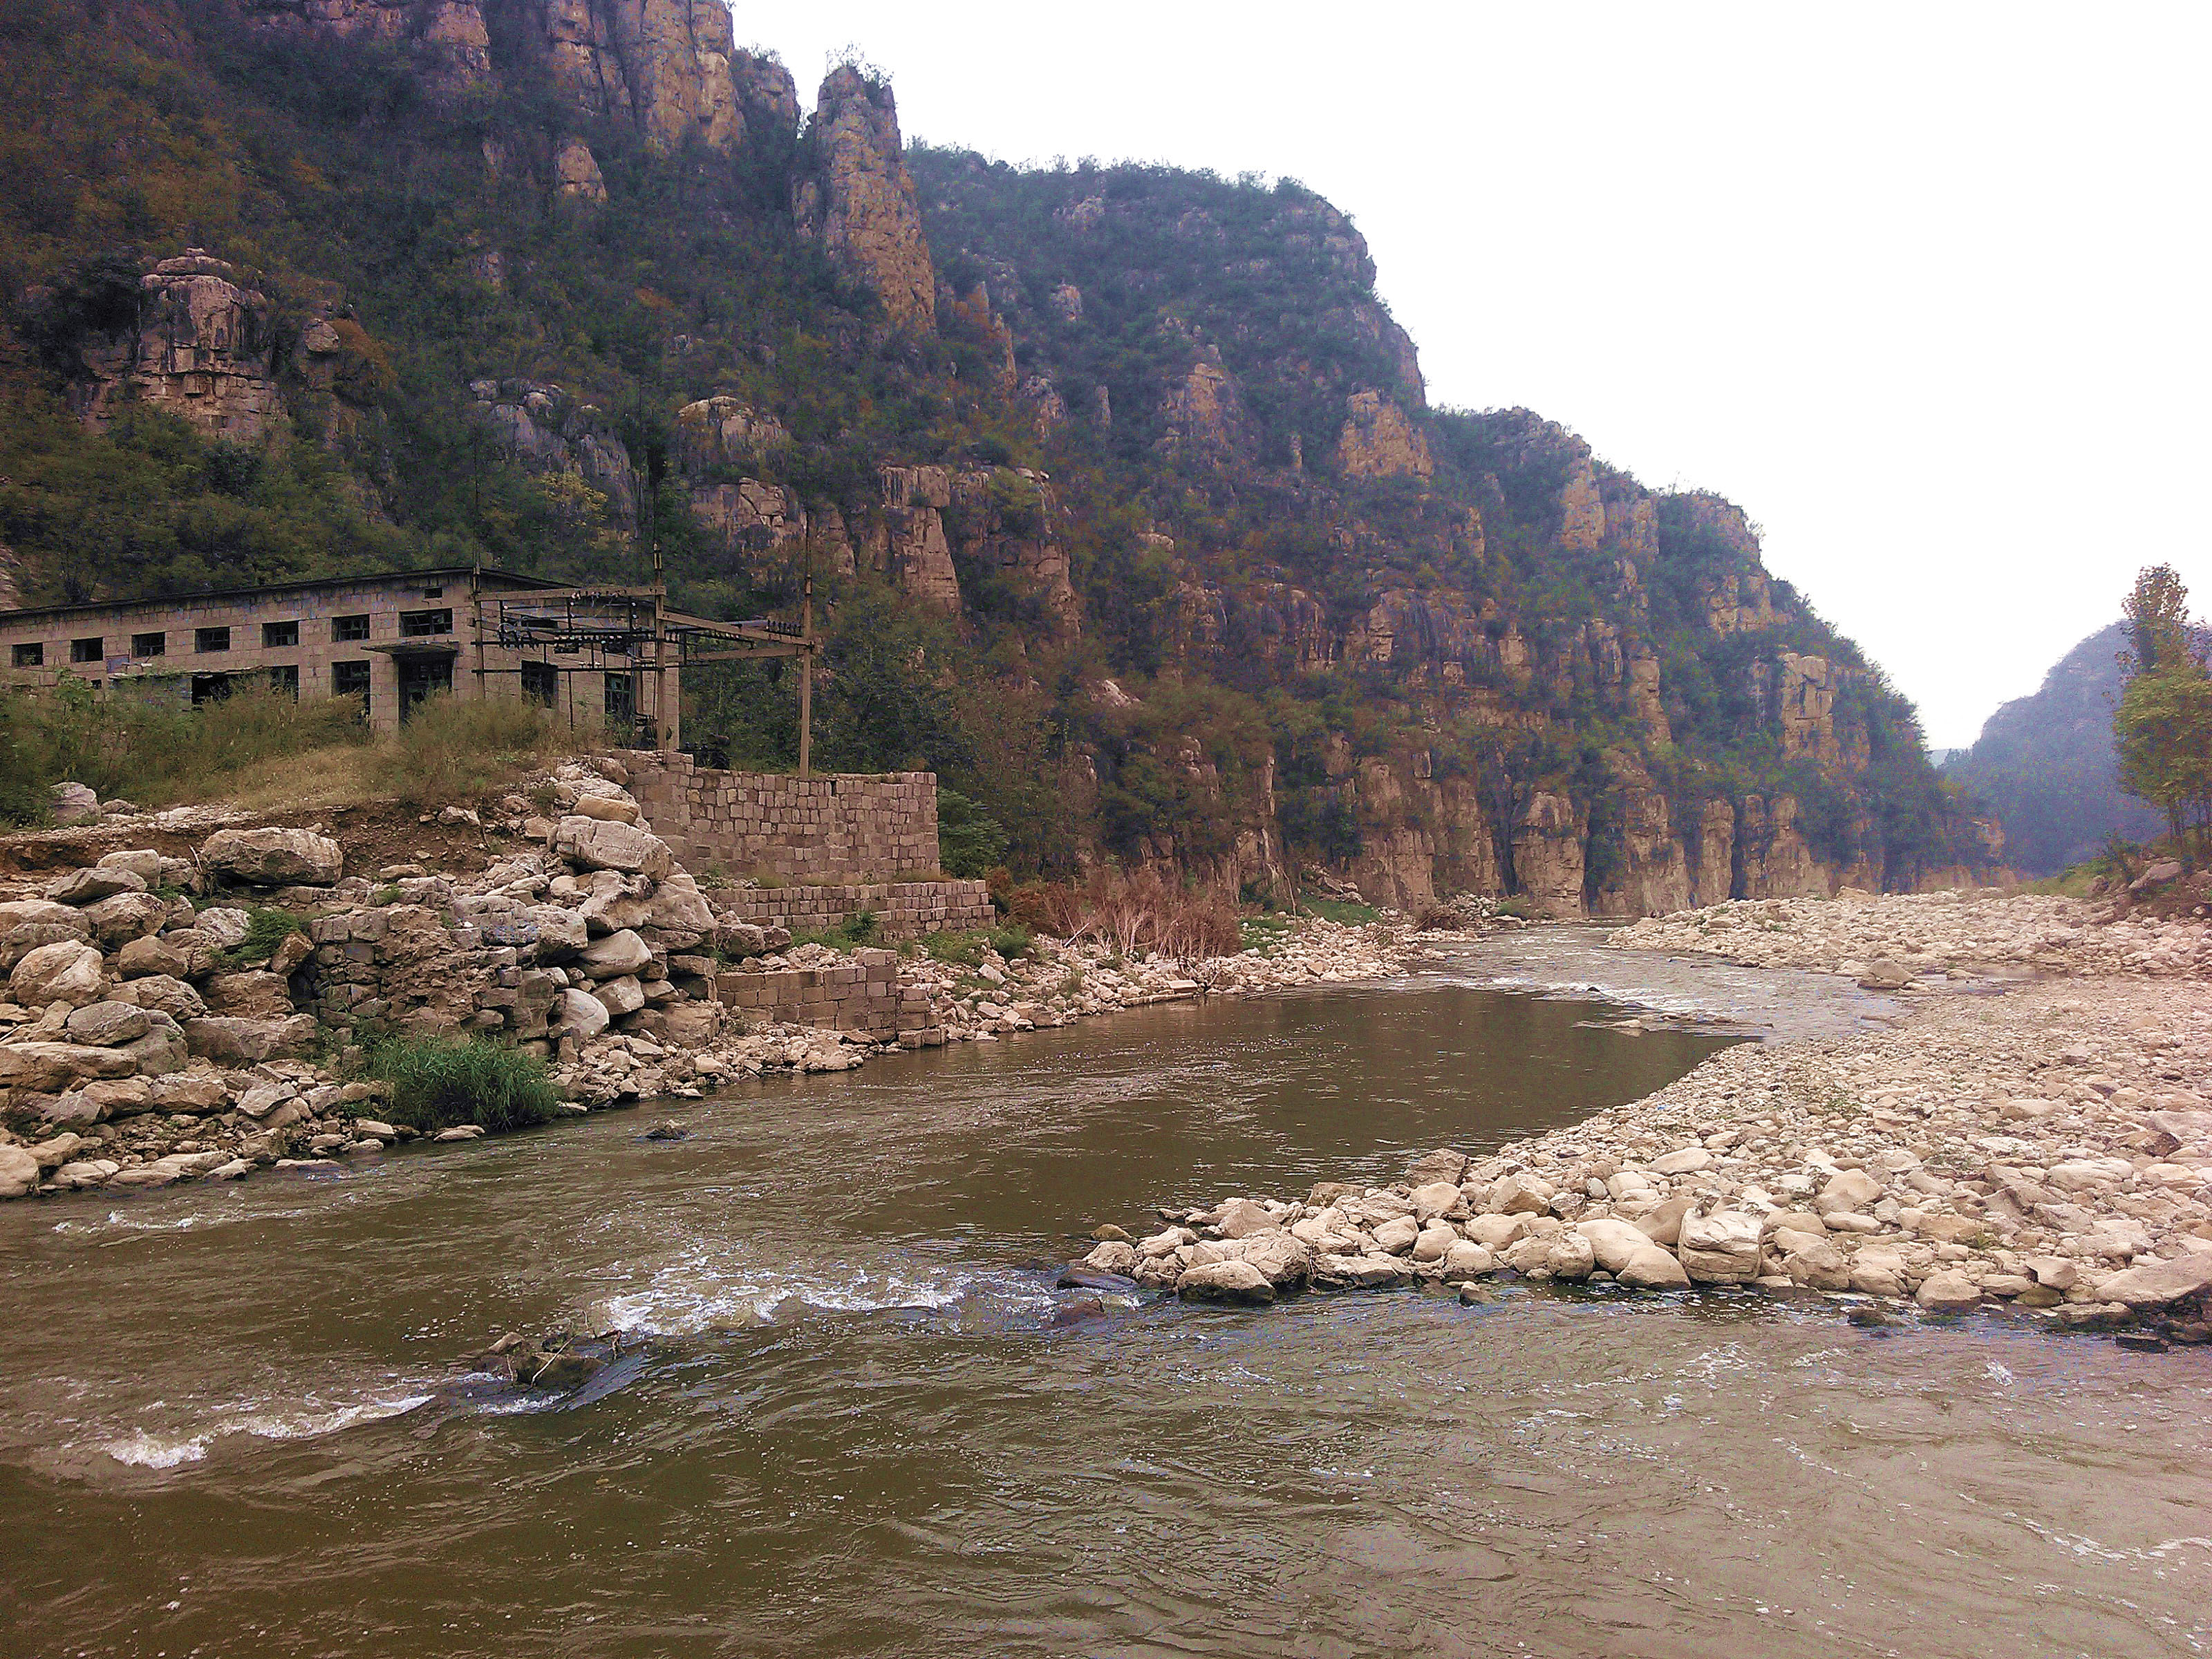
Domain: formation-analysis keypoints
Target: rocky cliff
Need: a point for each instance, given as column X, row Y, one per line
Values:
column 1121, row 485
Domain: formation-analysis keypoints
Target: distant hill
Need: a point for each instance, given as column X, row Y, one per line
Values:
column 2045, row 762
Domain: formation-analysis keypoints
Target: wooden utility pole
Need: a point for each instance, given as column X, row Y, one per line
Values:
column 806, row 666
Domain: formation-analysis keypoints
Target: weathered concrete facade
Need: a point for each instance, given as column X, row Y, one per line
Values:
column 847, row 828
column 391, row 639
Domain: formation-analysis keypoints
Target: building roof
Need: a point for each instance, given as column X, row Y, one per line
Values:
column 169, row 601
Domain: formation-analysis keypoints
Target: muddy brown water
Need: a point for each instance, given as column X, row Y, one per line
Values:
column 228, row 1426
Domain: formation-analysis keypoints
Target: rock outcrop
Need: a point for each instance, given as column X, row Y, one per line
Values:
column 203, row 346
column 857, row 197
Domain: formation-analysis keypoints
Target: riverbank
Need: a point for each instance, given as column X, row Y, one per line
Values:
column 183, row 1005
column 2048, row 1149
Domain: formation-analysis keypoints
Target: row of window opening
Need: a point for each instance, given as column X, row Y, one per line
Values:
column 275, row 636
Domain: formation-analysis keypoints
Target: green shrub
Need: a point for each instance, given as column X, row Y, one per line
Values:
column 1337, row 910
column 144, row 745
column 1010, row 942
column 440, row 1082
column 969, row 842
column 962, row 950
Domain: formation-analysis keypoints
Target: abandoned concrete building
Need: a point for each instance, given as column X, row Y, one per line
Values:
column 606, row 660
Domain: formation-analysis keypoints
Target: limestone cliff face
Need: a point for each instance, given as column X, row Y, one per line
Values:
column 448, row 35
column 667, row 68
column 663, row 65
column 1378, row 441
column 204, row 348
column 857, row 197
column 547, row 432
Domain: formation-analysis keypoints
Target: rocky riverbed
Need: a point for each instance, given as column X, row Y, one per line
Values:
column 2047, row 1150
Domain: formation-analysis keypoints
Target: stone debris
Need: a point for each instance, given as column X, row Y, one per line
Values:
column 2048, row 1150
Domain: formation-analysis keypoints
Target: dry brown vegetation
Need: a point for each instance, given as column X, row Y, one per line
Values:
column 1144, row 911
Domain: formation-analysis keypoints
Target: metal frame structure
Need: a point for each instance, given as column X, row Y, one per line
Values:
column 636, row 628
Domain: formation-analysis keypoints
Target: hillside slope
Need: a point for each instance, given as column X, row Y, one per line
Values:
column 1136, row 521
column 2045, row 762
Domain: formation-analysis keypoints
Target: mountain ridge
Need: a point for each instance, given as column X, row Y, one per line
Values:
column 1123, row 481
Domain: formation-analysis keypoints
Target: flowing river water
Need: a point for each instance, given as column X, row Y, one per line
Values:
column 229, row 1424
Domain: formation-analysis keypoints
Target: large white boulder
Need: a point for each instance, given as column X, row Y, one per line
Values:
column 597, row 845
column 1722, row 1248
column 581, row 1014
column 64, row 971
column 2155, row 1284
column 274, row 858
column 89, row 887
column 53, row 1068
column 616, row 955
column 1225, row 1281
column 19, row 1171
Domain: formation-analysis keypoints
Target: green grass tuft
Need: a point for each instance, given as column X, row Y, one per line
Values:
column 440, row 1082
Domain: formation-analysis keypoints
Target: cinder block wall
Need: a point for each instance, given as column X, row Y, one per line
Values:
column 903, row 909
column 850, row 828
column 866, row 997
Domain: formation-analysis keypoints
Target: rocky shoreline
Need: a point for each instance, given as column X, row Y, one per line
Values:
column 2047, row 1151
column 157, row 1025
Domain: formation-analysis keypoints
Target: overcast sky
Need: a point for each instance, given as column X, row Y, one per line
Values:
column 1923, row 287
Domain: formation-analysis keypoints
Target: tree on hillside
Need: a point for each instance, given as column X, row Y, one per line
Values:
column 2163, row 726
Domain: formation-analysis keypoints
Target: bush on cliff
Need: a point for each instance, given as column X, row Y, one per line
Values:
column 438, row 1082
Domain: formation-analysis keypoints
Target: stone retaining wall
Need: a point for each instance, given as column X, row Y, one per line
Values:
column 866, row 997
column 903, row 909
column 846, row 827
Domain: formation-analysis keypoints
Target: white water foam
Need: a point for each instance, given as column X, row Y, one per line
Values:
column 141, row 1450
column 699, row 1296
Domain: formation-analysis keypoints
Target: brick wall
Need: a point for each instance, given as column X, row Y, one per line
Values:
column 866, row 997
column 849, row 828
column 903, row 909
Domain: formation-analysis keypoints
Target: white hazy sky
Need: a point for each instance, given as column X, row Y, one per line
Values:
column 1923, row 287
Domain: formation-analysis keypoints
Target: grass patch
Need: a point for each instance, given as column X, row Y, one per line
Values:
column 1263, row 932
column 438, row 1082
column 266, row 927
column 449, row 749
column 861, row 927
column 1341, row 911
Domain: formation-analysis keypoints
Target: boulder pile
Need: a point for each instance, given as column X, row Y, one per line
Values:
column 2048, row 1151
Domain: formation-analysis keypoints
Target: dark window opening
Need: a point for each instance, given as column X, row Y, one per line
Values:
column 276, row 635
column 351, row 680
column 286, row 680
column 209, row 688
column 149, row 645
column 414, row 624
column 422, row 678
column 210, row 639
column 541, row 683
column 30, row 656
column 434, row 593
column 622, row 709
column 84, row 650
column 348, row 627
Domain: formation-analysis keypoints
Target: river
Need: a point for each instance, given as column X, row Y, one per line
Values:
column 227, row 1422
